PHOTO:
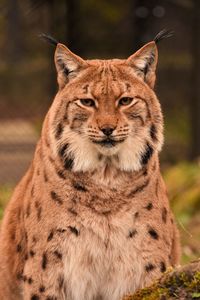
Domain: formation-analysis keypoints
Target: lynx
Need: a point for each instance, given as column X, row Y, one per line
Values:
column 90, row 220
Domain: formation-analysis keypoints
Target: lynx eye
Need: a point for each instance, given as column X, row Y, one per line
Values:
column 125, row 101
column 87, row 102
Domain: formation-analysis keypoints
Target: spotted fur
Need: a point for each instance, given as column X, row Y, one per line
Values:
column 91, row 218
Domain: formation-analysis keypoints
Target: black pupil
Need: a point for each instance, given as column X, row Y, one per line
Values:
column 87, row 102
column 125, row 101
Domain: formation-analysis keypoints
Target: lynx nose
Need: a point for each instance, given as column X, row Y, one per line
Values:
column 107, row 130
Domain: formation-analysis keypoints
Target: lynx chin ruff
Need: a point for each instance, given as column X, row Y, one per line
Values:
column 90, row 220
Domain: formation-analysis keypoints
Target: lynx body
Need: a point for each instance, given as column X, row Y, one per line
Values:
column 90, row 220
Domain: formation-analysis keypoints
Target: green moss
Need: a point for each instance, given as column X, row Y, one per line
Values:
column 173, row 287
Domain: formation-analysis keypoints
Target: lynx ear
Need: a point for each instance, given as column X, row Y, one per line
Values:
column 144, row 62
column 67, row 64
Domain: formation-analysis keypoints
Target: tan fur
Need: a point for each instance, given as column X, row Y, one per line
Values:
column 90, row 220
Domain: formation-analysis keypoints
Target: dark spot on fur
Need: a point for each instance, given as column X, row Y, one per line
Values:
column 136, row 215
column 19, row 248
column 74, row 230
column 145, row 69
column 24, row 278
column 133, row 116
column 26, row 236
column 32, row 191
column 138, row 189
column 34, row 240
column 157, row 187
column 35, row 297
column 78, row 119
column 19, row 276
column 61, row 174
column 45, row 176
column 132, row 233
column 74, row 199
column 47, row 142
column 63, row 150
column 42, row 289
column 32, row 253
column 26, row 256
column 153, row 132
column 12, row 236
column 19, row 214
column 106, row 212
column 147, row 154
column 39, row 210
column 72, row 211
column 100, row 156
column 162, row 267
column 59, row 131
column 153, row 234
column 164, row 214
column 154, row 166
column 58, row 254
column 50, row 236
column 128, row 86
column 28, row 210
column 79, row 186
column 85, row 88
column 149, row 267
column 56, row 198
column 68, row 163
column 30, row 280
column 60, row 281
column 149, row 206
column 51, row 159
column 145, row 173
column 60, row 230
column 44, row 261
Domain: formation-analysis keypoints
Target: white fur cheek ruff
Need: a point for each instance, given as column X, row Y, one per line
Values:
column 132, row 150
column 130, row 154
column 85, row 153
column 82, row 151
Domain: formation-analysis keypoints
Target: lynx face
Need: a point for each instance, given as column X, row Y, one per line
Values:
column 106, row 111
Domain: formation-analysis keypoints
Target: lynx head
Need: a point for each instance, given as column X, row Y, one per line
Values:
column 106, row 111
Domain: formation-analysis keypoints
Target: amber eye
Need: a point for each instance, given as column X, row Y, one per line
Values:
column 87, row 102
column 125, row 101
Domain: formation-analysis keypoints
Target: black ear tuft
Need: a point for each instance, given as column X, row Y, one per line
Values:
column 48, row 38
column 163, row 34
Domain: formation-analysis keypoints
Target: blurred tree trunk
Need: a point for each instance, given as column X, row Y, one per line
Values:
column 73, row 26
column 14, row 32
column 139, row 22
column 195, row 83
column 51, row 6
column 143, row 21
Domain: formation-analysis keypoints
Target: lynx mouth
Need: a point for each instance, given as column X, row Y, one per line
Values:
column 108, row 142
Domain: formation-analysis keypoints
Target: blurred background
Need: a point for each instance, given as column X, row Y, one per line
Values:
column 104, row 29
